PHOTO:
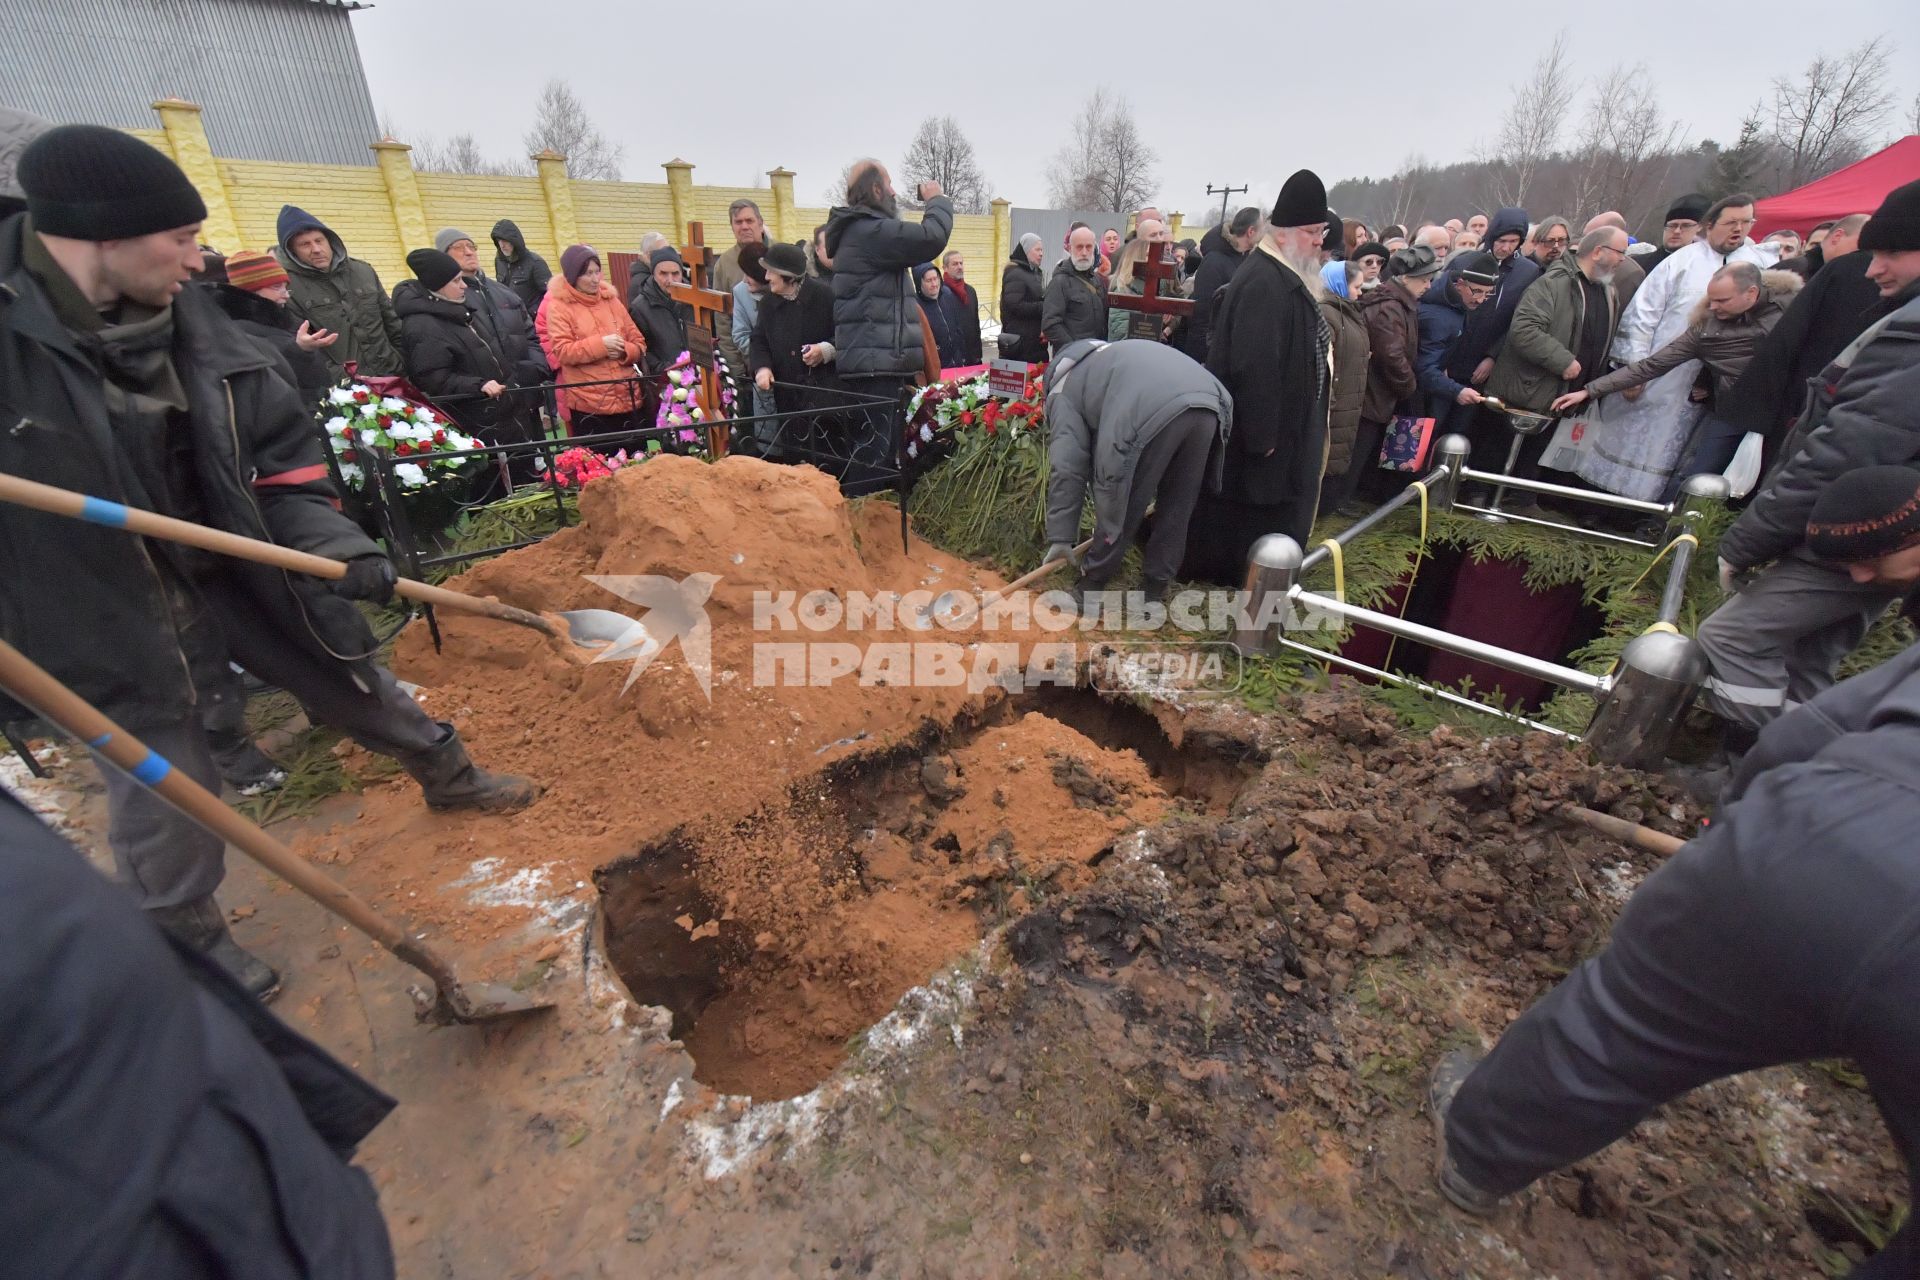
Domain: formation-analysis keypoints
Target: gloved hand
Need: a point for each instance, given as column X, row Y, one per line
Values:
column 1726, row 577
column 368, row 578
column 1060, row 551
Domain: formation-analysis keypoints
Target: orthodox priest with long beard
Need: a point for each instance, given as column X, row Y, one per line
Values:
column 1270, row 348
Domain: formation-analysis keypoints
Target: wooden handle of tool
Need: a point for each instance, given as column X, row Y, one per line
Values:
column 114, row 515
column 1028, row 579
column 1627, row 832
column 29, row 684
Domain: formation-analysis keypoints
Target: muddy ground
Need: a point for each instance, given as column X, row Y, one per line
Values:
column 1195, row 1050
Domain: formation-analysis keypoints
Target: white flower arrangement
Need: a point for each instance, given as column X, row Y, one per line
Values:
column 409, row 431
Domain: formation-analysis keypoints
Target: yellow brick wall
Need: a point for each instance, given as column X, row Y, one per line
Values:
column 614, row 215
column 355, row 202
column 474, row 204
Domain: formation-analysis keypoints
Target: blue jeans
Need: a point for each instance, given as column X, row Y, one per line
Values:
column 1711, row 449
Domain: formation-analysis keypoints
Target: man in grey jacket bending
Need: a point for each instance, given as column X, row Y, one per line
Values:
column 1144, row 425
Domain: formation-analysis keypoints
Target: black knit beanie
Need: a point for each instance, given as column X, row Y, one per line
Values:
column 1895, row 225
column 1865, row 514
column 432, row 268
column 89, row 182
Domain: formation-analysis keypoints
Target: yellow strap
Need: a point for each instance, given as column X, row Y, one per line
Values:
column 1421, row 485
column 1685, row 537
column 1667, row 627
column 1413, row 572
column 1339, row 569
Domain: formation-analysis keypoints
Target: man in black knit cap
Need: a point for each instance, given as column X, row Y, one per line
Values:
column 119, row 384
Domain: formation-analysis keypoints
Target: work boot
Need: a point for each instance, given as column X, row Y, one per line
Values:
column 1448, row 1075
column 451, row 780
column 246, row 768
column 201, row 924
column 1155, row 590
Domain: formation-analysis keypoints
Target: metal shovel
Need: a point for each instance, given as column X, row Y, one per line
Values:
column 453, row 1000
column 948, row 599
column 588, row 628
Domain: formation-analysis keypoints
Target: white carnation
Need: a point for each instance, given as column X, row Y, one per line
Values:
column 340, row 395
column 409, row 475
column 336, row 426
column 352, row 474
column 393, row 404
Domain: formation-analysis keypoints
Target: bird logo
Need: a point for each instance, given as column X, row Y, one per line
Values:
column 674, row 611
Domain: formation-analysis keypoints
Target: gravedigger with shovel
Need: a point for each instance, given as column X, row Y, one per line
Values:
column 114, row 382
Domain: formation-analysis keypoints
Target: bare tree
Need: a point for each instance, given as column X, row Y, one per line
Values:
column 1105, row 163
column 1913, row 121
column 1403, row 192
column 1827, row 117
column 941, row 153
column 1530, row 131
column 460, row 154
column 560, row 124
column 1626, row 145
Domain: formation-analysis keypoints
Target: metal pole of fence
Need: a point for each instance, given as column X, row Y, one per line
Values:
column 1273, row 567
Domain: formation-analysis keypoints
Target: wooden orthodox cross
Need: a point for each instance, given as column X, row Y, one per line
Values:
column 706, row 304
column 1149, row 308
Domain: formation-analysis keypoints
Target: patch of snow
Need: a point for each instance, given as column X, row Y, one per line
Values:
column 1619, row 880
column 43, row 796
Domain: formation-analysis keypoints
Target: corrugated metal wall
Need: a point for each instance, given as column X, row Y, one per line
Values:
column 280, row 79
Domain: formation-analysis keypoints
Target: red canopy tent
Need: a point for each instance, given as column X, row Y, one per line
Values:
column 1858, row 188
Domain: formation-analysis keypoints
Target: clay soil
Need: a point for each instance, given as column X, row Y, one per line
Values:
column 950, row 984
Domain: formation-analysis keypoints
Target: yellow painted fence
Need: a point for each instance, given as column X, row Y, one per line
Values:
column 389, row 208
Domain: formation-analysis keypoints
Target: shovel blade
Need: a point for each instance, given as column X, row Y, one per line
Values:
column 597, row 628
column 474, row 1002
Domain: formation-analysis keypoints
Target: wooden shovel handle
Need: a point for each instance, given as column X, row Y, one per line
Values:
column 29, row 684
column 1028, row 579
column 114, row 515
column 1627, row 832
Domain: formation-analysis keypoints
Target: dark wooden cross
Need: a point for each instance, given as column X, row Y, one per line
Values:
column 1158, row 268
column 706, row 303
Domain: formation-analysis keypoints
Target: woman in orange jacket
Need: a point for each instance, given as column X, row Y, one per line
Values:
column 593, row 339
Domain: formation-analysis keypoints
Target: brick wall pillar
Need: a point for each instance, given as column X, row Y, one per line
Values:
column 783, row 223
column 680, row 190
column 1002, row 253
column 1177, row 224
column 403, row 194
column 557, row 187
column 187, row 138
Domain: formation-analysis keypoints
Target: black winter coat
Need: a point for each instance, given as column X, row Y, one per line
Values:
column 267, row 322
column 661, row 321
column 447, row 358
column 1216, row 269
column 963, row 305
column 1820, row 321
column 1264, row 349
column 506, row 326
column 942, row 316
column 103, row 621
column 876, row 325
column 155, row 1120
column 1866, row 414
column 780, row 330
column 526, row 272
column 1075, row 306
column 1021, row 292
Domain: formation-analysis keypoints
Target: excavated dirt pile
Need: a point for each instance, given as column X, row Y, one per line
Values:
column 780, row 863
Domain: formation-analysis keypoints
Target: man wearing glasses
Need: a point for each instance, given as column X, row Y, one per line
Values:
column 1551, row 236
column 1445, row 365
column 1644, row 431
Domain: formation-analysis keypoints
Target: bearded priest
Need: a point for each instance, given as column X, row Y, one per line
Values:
column 1270, row 348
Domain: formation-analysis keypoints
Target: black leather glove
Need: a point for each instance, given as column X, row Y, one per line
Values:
column 368, row 578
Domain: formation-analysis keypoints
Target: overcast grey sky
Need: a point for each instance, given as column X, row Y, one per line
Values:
column 1346, row 90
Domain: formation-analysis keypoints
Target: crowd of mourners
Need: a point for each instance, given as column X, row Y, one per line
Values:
column 160, row 1123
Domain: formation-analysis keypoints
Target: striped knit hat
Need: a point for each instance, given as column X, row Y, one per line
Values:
column 254, row 271
column 1866, row 514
